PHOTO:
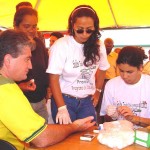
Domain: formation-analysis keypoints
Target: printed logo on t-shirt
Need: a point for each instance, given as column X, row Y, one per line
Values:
column 136, row 108
column 84, row 80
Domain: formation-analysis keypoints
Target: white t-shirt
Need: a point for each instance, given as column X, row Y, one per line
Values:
column 66, row 59
column 136, row 96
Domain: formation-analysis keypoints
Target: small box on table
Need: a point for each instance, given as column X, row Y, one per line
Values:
column 142, row 137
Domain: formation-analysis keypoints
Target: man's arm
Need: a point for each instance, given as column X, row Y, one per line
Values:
column 55, row 133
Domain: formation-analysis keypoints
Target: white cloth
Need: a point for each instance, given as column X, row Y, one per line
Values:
column 66, row 59
column 136, row 96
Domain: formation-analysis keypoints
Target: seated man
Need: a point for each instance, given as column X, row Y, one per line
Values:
column 19, row 124
column 127, row 96
column 112, row 56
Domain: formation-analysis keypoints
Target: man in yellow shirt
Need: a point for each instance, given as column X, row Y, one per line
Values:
column 112, row 56
column 19, row 124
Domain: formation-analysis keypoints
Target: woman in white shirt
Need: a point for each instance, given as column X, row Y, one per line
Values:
column 77, row 67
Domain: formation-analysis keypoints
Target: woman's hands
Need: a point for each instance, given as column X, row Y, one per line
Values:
column 114, row 111
column 125, row 111
column 63, row 116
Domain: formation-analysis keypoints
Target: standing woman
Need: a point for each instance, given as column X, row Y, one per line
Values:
column 77, row 68
column 35, row 87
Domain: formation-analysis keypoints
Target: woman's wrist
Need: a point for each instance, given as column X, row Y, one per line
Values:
column 98, row 90
column 134, row 119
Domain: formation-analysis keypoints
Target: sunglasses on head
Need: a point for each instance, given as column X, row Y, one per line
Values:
column 88, row 31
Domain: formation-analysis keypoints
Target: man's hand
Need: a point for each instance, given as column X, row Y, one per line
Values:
column 84, row 123
column 112, row 112
column 63, row 116
column 27, row 86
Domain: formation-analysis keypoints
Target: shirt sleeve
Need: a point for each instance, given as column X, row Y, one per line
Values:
column 17, row 114
column 57, row 58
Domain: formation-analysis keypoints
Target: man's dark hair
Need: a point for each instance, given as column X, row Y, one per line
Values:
column 57, row 34
column 22, row 5
column 12, row 42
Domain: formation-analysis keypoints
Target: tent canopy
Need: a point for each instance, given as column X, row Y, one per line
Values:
column 53, row 14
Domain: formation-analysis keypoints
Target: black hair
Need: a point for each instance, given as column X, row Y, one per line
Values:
column 12, row 42
column 25, row 4
column 57, row 34
column 91, row 46
column 131, row 55
column 19, row 15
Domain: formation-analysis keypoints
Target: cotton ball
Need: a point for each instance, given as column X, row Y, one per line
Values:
column 117, row 134
column 100, row 136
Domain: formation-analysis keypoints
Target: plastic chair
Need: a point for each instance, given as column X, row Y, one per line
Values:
column 4, row 145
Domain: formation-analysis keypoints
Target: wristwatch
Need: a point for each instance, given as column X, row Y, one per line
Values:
column 99, row 90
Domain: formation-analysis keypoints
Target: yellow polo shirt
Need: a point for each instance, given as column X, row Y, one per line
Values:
column 146, row 68
column 113, row 70
column 19, row 124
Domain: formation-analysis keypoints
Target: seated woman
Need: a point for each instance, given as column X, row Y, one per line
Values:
column 127, row 96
